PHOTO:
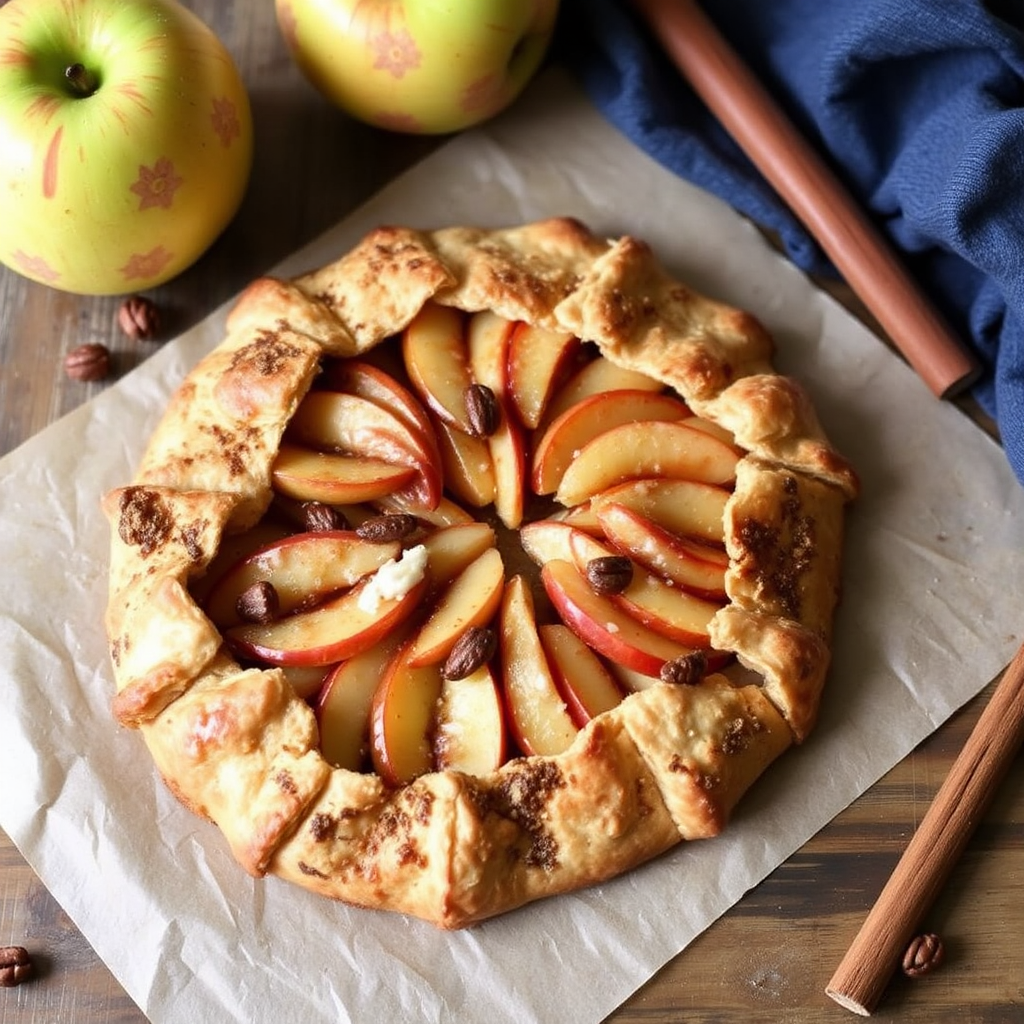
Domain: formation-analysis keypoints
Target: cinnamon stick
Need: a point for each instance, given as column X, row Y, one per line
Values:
column 812, row 191
column 935, row 847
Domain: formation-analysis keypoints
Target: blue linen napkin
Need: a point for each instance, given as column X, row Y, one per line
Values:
column 919, row 106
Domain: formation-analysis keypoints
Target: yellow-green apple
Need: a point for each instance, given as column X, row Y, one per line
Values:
column 337, row 629
column 606, row 627
column 471, row 599
column 469, row 724
column 437, row 363
column 640, row 450
column 687, row 508
column 418, row 67
column 347, row 423
column 402, row 720
column 488, row 337
column 588, row 687
column 699, row 568
column 304, row 569
column 343, row 706
column 593, row 378
column 125, row 142
column 566, row 436
column 538, row 360
column 308, row 475
column 467, row 465
column 537, row 715
column 451, row 549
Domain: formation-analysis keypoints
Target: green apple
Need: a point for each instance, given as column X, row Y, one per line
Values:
column 418, row 66
column 125, row 141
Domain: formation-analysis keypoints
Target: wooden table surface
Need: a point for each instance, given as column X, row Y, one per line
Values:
column 769, row 958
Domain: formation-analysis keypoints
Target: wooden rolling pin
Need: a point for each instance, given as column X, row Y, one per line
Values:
column 812, row 191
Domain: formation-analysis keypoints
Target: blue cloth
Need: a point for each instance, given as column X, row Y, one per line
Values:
column 919, row 105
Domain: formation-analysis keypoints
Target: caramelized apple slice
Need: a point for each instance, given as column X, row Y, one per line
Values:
column 640, row 450
column 471, row 599
column 434, row 352
column 569, row 433
column 594, row 378
column 306, row 475
column 402, row 720
column 467, row 464
column 668, row 610
column 469, row 727
column 538, row 717
column 452, row 549
column 340, row 628
column 601, row 623
column 691, row 565
column 303, row 568
column 337, row 421
column 588, row 687
column 683, row 507
column 537, row 361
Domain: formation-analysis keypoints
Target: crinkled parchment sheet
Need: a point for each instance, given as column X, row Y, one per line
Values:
column 935, row 544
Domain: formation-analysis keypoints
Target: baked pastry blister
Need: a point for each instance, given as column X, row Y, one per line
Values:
column 472, row 565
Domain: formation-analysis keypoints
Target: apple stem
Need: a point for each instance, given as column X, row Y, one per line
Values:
column 82, row 81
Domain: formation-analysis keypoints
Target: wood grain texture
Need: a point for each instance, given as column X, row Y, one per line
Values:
column 766, row 960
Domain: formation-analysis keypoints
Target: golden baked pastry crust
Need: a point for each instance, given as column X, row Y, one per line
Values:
column 669, row 763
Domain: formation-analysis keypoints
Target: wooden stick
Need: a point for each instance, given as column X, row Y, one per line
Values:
column 935, row 847
column 812, row 191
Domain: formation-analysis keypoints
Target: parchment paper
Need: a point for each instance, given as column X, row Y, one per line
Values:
column 930, row 615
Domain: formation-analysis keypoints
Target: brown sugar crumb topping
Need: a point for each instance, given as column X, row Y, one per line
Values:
column 265, row 356
column 144, row 520
column 321, row 827
column 308, row 869
column 738, row 734
column 523, row 797
column 781, row 554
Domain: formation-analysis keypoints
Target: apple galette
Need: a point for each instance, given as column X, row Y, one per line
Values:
column 475, row 567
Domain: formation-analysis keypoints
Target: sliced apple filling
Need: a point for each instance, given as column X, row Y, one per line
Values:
column 388, row 579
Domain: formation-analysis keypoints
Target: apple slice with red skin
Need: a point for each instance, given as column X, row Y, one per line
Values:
column 686, row 508
column 371, row 382
column 487, row 340
column 696, row 567
column 469, row 726
column 402, row 720
column 338, row 421
column 452, row 549
column 434, row 353
column 594, row 378
column 445, row 513
column 304, row 569
column 233, row 549
column 306, row 680
column 588, row 687
column 337, row 629
column 466, row 461
column 343, row 705
column 546, row 540
column 471, row 599
column 641, row 450
column 567, row 435
column 668, row 610
column 537, row 714
column 606, row 627
column 538, row 360
column 306, row 475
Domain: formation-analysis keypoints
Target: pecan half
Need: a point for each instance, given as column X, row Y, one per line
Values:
column 609, row 574
column 687, row 670
column 88, row 362
column 474, row 648
column 15, row 966
column 924, row 955
column 386, row 528
column 318, row 517
column 138, row 318
column 482, row 410
column 258, row 602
